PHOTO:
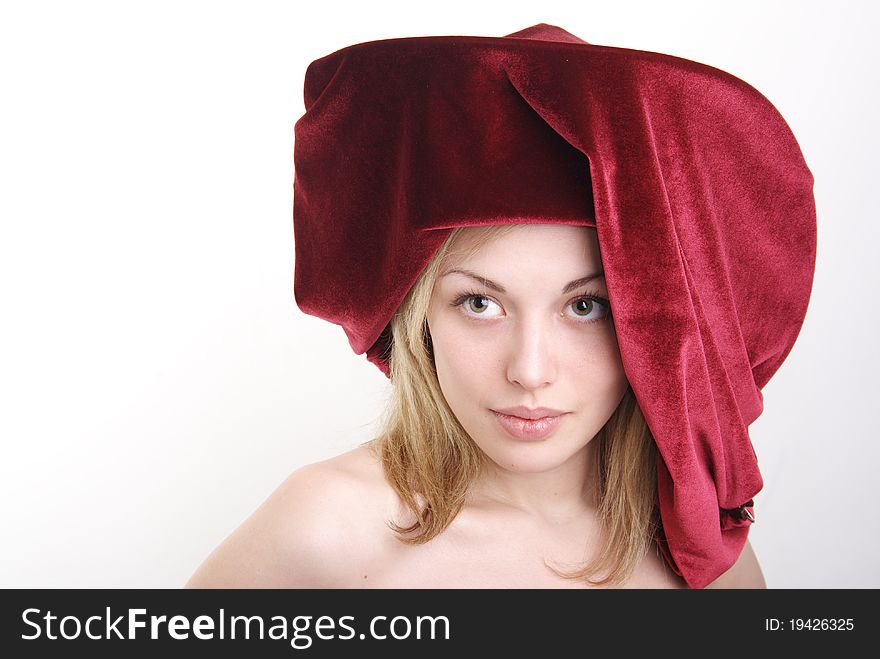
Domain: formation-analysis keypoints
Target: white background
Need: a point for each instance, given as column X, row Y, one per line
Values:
column 157, row 380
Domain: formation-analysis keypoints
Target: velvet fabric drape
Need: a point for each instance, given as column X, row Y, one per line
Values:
column 699, row 193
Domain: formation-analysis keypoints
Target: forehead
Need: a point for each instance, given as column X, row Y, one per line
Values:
column 578, row 245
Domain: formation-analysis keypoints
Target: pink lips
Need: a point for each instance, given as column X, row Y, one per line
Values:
column 535, row 424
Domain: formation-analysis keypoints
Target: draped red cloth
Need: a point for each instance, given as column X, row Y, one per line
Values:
column 698, row 191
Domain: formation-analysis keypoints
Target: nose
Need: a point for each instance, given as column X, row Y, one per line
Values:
column 532, row 361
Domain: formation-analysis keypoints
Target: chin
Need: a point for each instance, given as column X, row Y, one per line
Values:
column 531, row 457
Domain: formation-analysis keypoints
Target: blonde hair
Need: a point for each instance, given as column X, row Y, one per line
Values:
column 431, row 461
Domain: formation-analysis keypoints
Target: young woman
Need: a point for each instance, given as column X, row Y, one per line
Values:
column 506, row 323
column 578, row 265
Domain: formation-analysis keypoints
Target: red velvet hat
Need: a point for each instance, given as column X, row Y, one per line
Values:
column 701, row 199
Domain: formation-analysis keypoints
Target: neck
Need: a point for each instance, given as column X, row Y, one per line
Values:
column 557, row 495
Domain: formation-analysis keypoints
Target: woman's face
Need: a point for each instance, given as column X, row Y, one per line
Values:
column 523, row 336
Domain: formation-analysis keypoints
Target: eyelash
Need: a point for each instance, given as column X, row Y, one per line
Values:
column 465, row 296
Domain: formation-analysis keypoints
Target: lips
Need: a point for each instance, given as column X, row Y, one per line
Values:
column 529, row 413
column 529, row 429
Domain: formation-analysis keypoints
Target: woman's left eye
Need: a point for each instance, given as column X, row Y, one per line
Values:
column 586, row 305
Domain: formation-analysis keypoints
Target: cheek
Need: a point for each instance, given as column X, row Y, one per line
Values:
column 590, row 361
column 463, row 358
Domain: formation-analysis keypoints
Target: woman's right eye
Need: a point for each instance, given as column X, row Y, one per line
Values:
column 474, row 304
column 478, row 303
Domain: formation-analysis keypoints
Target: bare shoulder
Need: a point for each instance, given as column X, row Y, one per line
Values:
column 318, row 529
column 745, row 573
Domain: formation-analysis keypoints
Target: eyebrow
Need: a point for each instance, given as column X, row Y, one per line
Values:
column 488, row 283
